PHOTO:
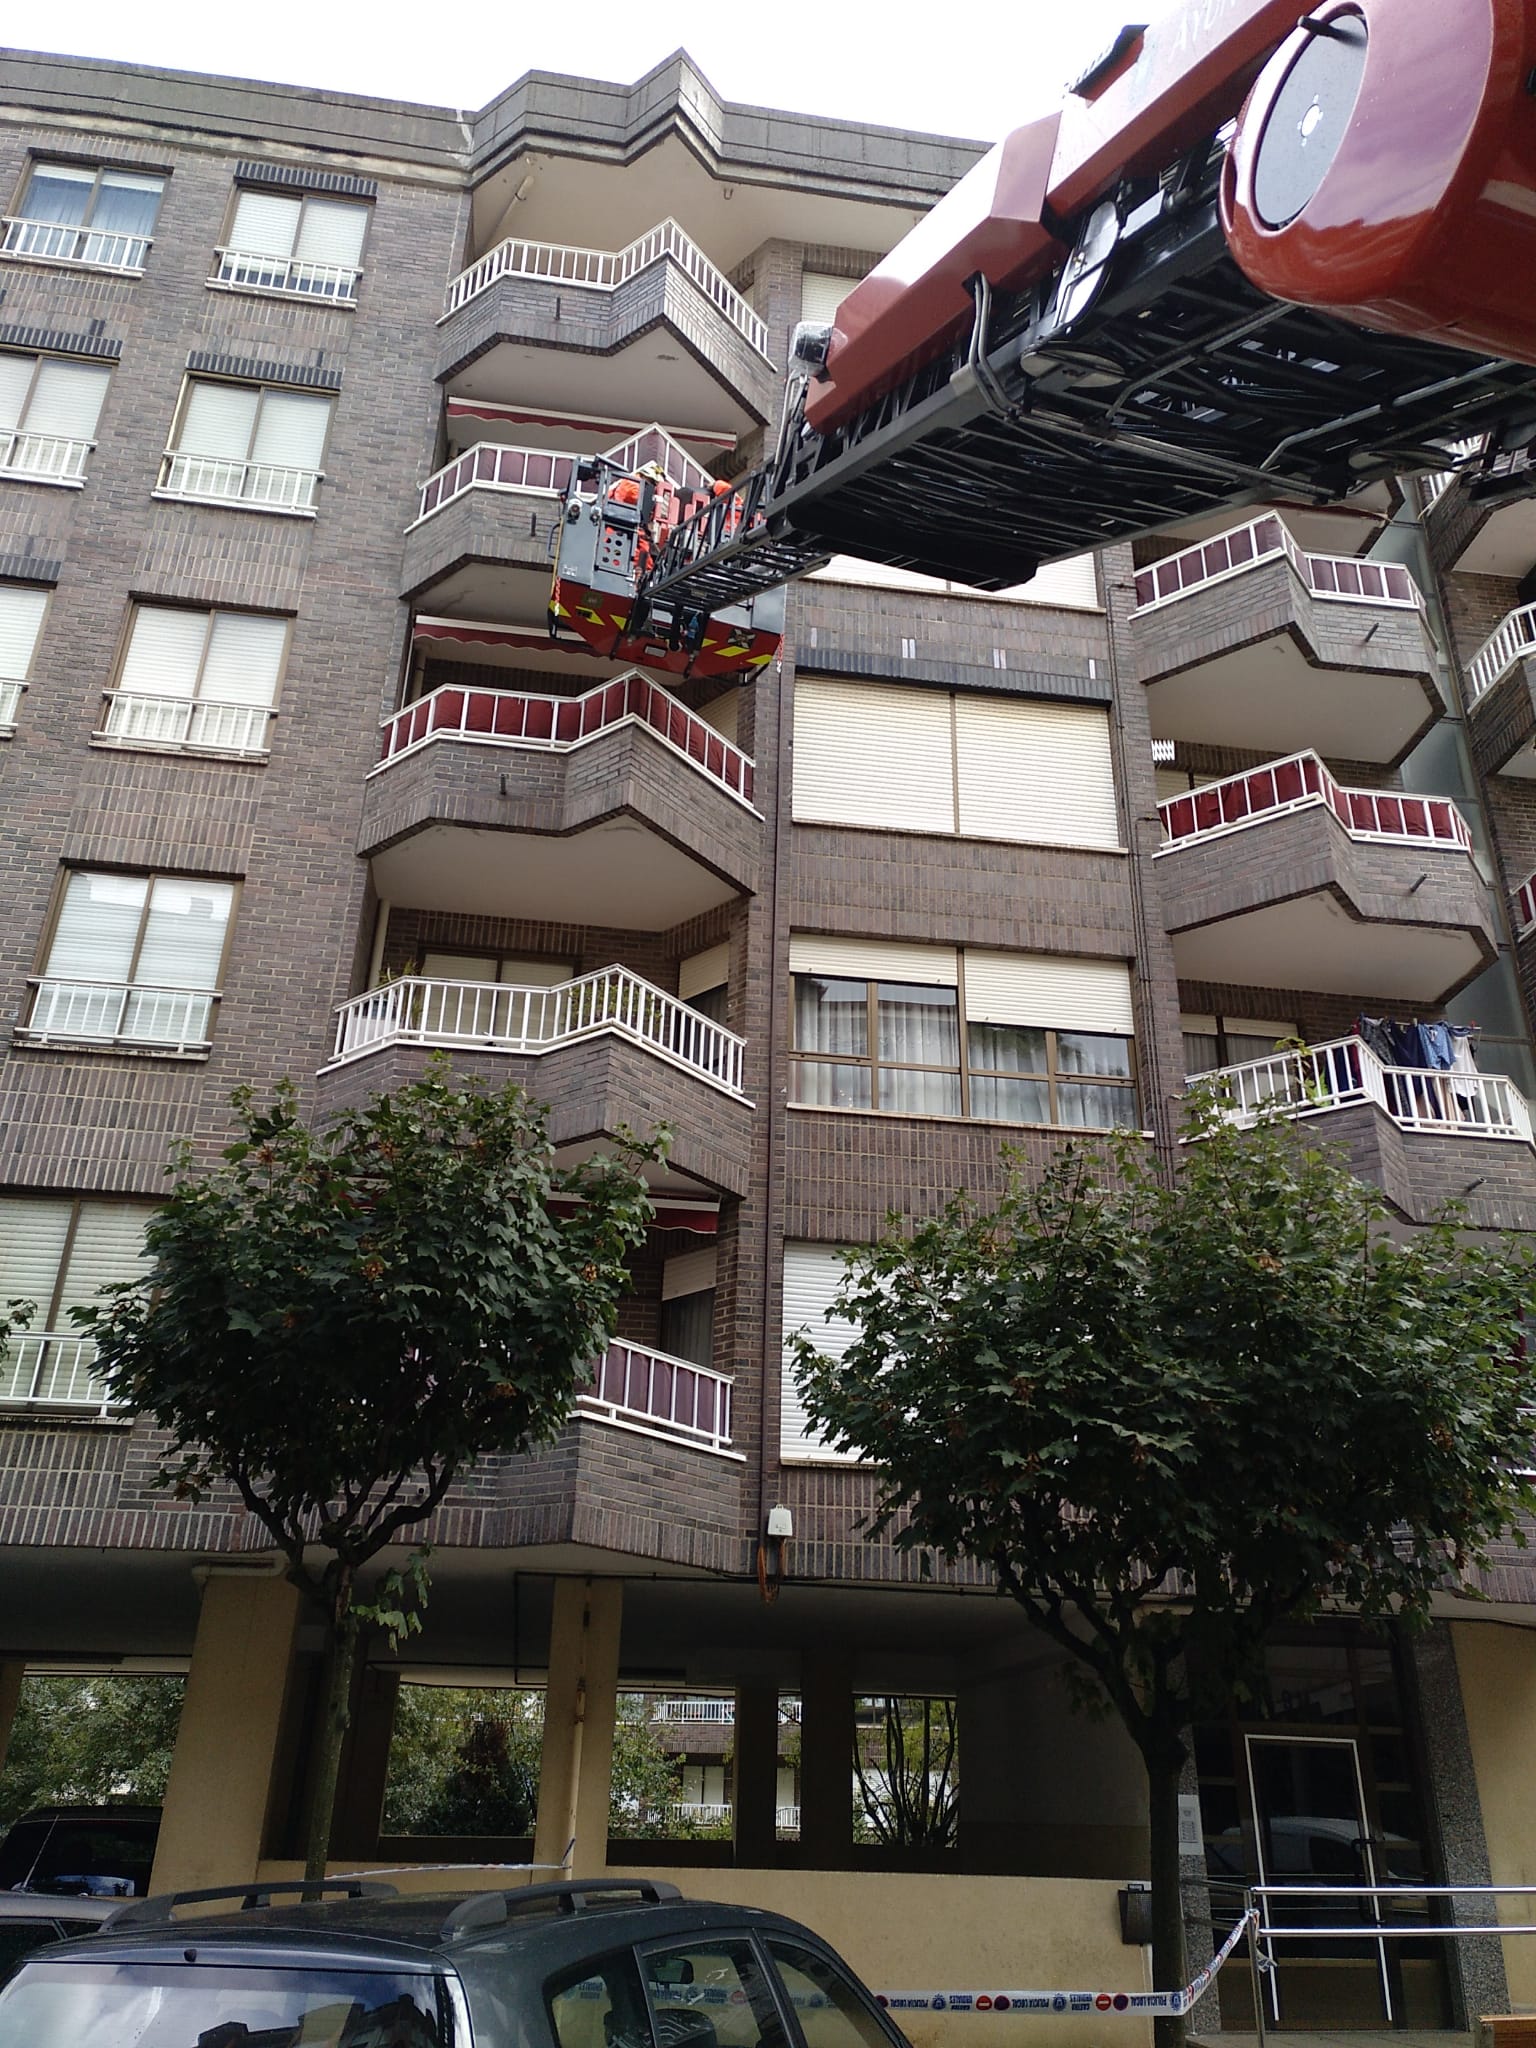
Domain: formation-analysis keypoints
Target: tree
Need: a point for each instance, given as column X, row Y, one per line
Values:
column 338, row 1321
column 1173, row 1414
column 464, row 1760
column 89, row 1740
column 906, row 1766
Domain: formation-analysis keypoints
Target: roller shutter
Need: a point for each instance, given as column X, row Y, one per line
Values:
column 1049, row 993
column 873, row 960
column 1035, row 773
column 873, row 756
column 812, row 1275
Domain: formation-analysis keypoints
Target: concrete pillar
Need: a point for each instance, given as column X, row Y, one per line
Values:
column 755, row 1792
column 226, row 1746
column 12, row 1672
column 1496, row 1664
column 365, row 1766
column 826, row 1759
column 576, row 1765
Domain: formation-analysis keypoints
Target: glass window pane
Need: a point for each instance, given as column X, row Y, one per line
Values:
column 1008, row 1101
column 831, row 1016
column 600, row 2005
column 829, row 1084
column 913, row 1093
column 184, row 935
column 1007, row 1049
column 918, row 1026
column 1202, row 1052
column 126, row 206
column 98, row 924
column 831, row 2012
column 711, row 1994
column 58, row 192
column 1092, row 1052
column 1088, row 1108
column 1245, row 1045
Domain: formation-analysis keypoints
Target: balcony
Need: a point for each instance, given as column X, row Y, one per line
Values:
column 1501, row 697
column 184, row 724
column 100, row 1014
column 1282, row 878
column 1425, row 1136
column 1525, row 908
column 672, row 338
column 1247, row 640
column 254, row 486
column 44, row 459
column 605, row 1051
column 620, row 807
column 1481, row 517
column 547, row 473
column 243, row 269
column 635, row 1387
column 10, row 705
column 53, row 1369
column 47, row 241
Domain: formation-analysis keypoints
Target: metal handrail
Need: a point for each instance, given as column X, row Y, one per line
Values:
column 1301, row 782
column 10, row 701
column 545, row 473
column 514, row 718
column 186, row 722
column 57, row 457
column 53, row 1369
column 638, row 1384
column 216, row 479
column 1436, row 1101
column 122, row 1013
column 1345, row 577
column 488, row 1016
column 51, row 241
column 606, row 270
column 253, row 271
column 1510, row 641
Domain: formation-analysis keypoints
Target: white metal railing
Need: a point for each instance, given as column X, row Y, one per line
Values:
column 1511, row 640
column 10, row 702
column 53, row 456
column 704, row 1813
column 787, row 1819
column 186, row 722
column 1301, row 782
column 494, row 1016
column 606, row 270
column 635, row 1384
column 334, row 281
column 515, row 718
column 215, row 480
column 60, row 242
column 1525, row 906
column 1437, row 1100
column 1267, row 539
column 175, row 1018
column 721, row 1712
column 52, row 1369
column 542, row 472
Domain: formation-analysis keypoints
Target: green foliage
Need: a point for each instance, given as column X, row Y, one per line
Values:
column 83, row 1741
column 464, row 1760
column 906, row 1765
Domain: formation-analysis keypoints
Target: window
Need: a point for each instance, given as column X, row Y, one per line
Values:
column 248, row 444
column 49, row 407
column 21, row 626
column 1014, row 1038
column 1212, row 1042
column 687, row 1328
column 703, row 982
column 832, row 2012
column 134, row 960
column 813, row 1273
column 980, row 767
column 72, row 214
column 596, row 2005
column 821, row 295
column 278, row 243
column 710, row 1992
column 197, row 679
column 59, row 1254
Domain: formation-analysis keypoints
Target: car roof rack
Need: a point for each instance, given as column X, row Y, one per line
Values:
column 162, row 1905
column 494, row 1909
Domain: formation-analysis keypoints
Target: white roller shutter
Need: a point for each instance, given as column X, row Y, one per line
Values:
column 1073, row 585
column 244, row 657
column 184, row 934
column 108, row 1246
column 1050, row 993
column 33, row 1233
column 873, row 960
column 813, row 1274
column 688, row 1273
column 218, row 420
column 264, row 224
column 66, row 400
column 15, row 383
column 873, row 756
column 291, row 431
column 1035, row 773
column 476, row 967
column 21, row 621
column 821, row 295
column 704, row 971
column 332, row 232
column 723, row 714
column 98, row 925
column 165, row 650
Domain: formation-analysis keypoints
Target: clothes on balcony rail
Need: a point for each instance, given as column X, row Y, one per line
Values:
column 1427, row 1051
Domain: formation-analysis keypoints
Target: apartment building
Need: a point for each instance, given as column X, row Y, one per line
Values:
column 297, row 781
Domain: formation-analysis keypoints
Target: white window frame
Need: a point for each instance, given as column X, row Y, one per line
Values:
column 193, row 723
column 12, row 687
column 55, row 458
column 324, row 284
column 265, row 487
column 28, row 240
column 49, row 1364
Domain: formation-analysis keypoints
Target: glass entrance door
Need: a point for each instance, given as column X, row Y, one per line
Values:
column 1311, row 1828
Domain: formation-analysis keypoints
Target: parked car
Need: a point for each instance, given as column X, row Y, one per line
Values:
column 609, row 1963
column 28, row 1921
column 80, row 1851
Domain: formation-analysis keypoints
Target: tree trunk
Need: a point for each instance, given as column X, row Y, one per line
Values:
column 1170, row 1970
column 336, row 1713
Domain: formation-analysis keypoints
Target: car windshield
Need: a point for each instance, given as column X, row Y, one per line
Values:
column 105, row 2005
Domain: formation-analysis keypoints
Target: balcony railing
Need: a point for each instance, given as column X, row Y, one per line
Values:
column 488, row 1016
column 334, row 281
column 509, row 718
column 213, row 480
column 605, row 270
column 1511, row 640
column 1525, row 906
column 704, row 1813
column 542, row 473
column 174, row 1019
column 52, row 1369
column 59, row 242
column 186, row 722
column 650, row 1390
column 1343, row 577
column 10, row 702
column 1436, row 1101
column 720, row 1712
column 1299, row 783
column 46, row 458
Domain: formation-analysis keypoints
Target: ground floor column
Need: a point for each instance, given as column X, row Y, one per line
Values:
column 755, row 1785
column 580, row 1705
column 826, row 1759
column 1496, row 1664
column 216, row 1800
column 12, row 1672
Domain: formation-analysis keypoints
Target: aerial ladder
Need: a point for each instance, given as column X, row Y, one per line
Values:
column 1262, row 254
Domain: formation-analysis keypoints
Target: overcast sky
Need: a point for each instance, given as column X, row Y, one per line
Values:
column 976, row 68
